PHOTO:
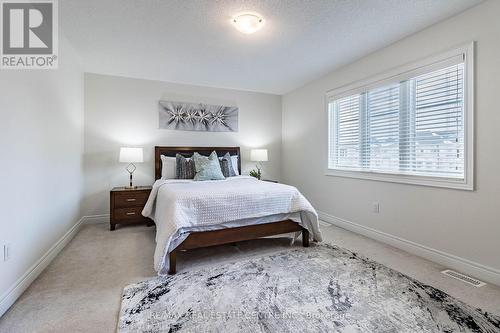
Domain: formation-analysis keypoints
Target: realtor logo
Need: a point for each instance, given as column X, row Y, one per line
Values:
column 29, row 34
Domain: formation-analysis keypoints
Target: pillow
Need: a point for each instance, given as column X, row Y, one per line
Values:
column 234, row 161
column 184, row 167
column 167, row 167
column 207, row 168
column 226, row 165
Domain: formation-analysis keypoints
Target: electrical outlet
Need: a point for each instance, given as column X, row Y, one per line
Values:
column 6, row 252
column 376, row 207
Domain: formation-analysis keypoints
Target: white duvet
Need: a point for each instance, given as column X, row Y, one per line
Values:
column 179, row 207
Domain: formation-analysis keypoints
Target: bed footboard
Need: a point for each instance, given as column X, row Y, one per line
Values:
column 237, row 234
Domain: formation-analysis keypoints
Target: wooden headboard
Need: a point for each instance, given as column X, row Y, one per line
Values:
column 188, row 151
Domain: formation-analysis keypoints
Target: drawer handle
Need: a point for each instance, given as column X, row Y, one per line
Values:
column 132, row 213
column 129, row 200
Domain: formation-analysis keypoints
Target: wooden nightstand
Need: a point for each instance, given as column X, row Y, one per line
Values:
column 126, row 206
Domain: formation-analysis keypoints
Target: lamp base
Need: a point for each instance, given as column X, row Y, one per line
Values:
column 130, row 171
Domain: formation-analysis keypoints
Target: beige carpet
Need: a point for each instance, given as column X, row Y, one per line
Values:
column 80, row 291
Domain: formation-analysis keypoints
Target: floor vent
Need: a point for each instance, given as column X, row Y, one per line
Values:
column 464, row 278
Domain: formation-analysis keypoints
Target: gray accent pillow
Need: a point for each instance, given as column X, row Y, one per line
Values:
column 226, row 166
column 184, row 167
column 207, row 168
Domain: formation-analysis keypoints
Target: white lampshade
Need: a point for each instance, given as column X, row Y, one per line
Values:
column 258, row 155
column 131, row 155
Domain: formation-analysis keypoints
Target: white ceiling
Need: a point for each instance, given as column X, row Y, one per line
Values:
column 192, row 41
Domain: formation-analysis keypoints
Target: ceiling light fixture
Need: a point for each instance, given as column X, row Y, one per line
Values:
column 248, row 23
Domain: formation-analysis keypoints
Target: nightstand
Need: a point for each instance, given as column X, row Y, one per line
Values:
column 126, row 206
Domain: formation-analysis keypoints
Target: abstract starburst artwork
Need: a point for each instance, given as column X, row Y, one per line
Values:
column 198, row 117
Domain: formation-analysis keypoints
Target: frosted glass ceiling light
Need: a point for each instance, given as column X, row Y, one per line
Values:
column 248, row 23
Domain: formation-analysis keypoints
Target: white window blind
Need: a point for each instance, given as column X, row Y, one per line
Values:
column 382, row 128
column 414, row 126
column 347, row 132
column 439, row 126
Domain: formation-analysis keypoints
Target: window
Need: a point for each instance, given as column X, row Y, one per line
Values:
column 412, row 126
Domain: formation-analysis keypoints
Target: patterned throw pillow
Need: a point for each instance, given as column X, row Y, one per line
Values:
column 234, row 162
column 185, row 168
column 226, row 166
column 207, row 168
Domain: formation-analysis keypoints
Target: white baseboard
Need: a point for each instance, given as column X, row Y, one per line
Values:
column 482, row 272
column 103, row 218
column 13, row 293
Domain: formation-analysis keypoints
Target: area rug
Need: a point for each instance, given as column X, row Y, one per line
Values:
column 317, row 289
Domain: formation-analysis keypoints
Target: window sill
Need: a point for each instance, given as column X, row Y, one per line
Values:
column 451, row 183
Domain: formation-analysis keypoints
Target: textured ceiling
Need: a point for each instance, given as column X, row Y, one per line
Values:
column 193, row 42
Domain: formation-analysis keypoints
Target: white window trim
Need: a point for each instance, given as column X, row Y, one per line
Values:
column 393, row 76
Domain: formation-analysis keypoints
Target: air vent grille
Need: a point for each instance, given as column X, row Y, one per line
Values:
column 464, row 278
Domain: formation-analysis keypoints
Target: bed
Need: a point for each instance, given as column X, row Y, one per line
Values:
column 194, row 214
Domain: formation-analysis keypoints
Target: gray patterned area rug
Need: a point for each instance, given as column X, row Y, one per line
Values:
column 318, row 289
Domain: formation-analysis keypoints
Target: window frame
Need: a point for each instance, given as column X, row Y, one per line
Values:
column 397, row 75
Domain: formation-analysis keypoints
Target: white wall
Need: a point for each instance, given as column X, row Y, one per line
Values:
column 41, row 145
column 460, row 223
column 124, row 112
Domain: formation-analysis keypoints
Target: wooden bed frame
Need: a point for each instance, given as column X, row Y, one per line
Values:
column 224, row 236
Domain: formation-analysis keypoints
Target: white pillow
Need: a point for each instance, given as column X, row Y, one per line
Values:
column 168, row 167
column 234, row 162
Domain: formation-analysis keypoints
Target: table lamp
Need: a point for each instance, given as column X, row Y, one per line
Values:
column 258, row 155
column 131, row 156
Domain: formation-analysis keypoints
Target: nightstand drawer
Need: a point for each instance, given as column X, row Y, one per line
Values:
column 131, row 199
column 132, row 214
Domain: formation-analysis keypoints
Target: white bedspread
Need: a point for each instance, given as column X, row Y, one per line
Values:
column 182, row 206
